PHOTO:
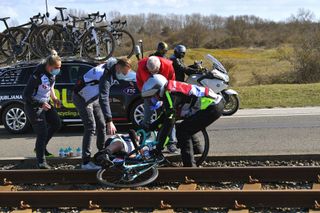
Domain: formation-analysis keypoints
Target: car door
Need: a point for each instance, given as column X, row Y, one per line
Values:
column 70, row 73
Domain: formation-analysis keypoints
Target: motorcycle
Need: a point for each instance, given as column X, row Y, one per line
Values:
column 218, row 80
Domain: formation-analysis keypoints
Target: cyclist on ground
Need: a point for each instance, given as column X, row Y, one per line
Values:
column 146, row 68
column 41, row 113
column 197, row 106
column 162, row 50
column 91, row 98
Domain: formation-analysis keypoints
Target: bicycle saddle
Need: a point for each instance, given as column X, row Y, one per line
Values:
column 3, row 19
column 115, row 22
column 37, row 16
column 61, row 8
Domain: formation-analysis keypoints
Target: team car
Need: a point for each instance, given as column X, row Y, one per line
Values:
column 125, row 100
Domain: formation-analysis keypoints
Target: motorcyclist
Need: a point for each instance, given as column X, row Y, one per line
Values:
column 162, row 50
column 178, row 63
column 146, row 68
column 197, row 106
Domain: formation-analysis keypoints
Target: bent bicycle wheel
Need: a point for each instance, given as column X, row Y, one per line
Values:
column 98, row 44
column 201, row 146
column 116, row 177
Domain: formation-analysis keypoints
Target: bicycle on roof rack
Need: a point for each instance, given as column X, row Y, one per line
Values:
column 92, row 42
column 17, row 42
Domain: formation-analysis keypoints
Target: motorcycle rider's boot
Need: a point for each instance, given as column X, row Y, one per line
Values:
column 197, row 147
column 187, row 154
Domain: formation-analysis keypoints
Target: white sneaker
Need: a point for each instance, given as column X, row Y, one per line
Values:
column 90, row 166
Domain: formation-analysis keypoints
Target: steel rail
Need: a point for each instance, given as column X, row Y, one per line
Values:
column 77, row 160
column 177, row 174
column 152, row 199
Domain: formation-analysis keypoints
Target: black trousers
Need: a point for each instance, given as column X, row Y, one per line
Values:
column 44, row 124
column 191, row 126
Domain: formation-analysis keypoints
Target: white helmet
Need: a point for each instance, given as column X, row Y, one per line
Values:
column 153, row 64
column 153, row 85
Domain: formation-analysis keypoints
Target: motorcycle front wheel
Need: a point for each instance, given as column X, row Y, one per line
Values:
column 232, row 104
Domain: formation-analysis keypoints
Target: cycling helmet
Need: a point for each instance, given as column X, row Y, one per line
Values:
column 153, row 64
column 154, row 85
column 162, row 46
column 180, row 51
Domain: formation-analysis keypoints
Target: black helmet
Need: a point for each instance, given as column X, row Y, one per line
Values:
column 154, row 85
column 162, row 46
column 180, row 51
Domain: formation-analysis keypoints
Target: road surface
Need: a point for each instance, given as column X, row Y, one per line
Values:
column 249, row 132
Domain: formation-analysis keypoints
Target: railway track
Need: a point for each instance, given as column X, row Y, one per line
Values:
column 187, row 195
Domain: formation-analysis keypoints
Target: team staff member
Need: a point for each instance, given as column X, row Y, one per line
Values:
column 41, row 114
column 120, row 71
column 162, row 50
column 146, row 68
column 86, row 99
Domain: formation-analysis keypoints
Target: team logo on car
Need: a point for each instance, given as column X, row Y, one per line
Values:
column 129, row 90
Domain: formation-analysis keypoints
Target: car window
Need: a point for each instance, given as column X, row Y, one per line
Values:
column 25, row 74
column 77, row 71
column 15, row 76
column 63, row 76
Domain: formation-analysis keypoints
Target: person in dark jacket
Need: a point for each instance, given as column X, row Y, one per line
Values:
column 41, row 114
column 119, row 71
column 162, row 50
column 91, row 98
column 181, row 70
column 178, row 63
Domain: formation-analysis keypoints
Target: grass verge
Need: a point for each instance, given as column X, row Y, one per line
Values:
column 279, row 95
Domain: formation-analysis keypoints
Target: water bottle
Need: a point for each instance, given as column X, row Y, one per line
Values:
column 70, row 151
column 66, row 152
column 78, row 152
column 61, row 153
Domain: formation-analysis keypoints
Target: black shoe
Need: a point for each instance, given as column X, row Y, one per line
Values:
column 198, row 149
column 44, row 165
column 104, row 160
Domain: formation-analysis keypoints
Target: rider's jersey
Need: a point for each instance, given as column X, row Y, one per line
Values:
column 39, row 87
column 125, row 140
column 192, row 98
column 88, row 86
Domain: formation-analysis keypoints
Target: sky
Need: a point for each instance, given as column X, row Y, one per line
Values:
column 277, row 10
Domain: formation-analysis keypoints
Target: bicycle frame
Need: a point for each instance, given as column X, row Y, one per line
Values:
column 149, row 163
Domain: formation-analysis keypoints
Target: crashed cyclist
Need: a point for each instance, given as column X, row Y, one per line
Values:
column 198, row 107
